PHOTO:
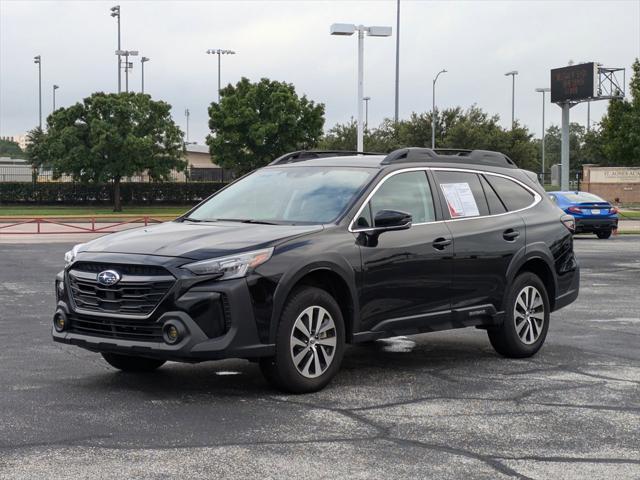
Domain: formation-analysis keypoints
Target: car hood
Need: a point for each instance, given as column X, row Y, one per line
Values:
column 197, row 241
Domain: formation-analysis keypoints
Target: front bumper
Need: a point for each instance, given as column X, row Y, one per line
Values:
column 188, row 304
column 584, row 225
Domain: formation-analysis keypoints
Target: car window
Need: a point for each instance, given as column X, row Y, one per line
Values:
column 495, row 204
column 406, row 192
column 513, row 195
column 462, row 193
column 582, row 197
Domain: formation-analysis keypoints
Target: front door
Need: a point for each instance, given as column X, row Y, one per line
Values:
column 407, row 274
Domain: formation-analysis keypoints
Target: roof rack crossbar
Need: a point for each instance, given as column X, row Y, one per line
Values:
column 302, row 155
column 416, row 154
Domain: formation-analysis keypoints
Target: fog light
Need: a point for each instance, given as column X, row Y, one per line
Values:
column 172, row 332
column 60, row 322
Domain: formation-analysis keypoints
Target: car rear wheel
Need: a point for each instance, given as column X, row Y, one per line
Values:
column 309, row 344
column 604, row 234
column 128, row 363
column 526, row 318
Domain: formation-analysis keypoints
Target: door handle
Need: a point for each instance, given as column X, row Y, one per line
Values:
column 510, row 234
column 441, row 243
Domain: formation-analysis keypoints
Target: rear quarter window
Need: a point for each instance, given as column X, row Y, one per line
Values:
column 513, row 195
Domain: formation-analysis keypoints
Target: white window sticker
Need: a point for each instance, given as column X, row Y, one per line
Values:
column 460, row 200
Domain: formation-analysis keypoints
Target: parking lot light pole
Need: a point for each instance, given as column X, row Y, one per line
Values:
column 55, row 87
column 220, row 52
column 115, row 12
column 366, row 112
column 513, row 74
column 544, row 92
column 187, row 114
column 433, row 110
column 127, row 66
column 38, row 61
column 143, row 60
column 348, row 29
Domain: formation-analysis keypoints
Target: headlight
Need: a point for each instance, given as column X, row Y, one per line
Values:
column 232, row 266
column 70, row 256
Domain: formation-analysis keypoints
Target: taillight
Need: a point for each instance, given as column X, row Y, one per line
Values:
column 569, row 222
column 613, row 210
column 574, row 210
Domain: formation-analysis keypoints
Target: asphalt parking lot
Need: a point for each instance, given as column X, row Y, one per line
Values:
column 434, row 406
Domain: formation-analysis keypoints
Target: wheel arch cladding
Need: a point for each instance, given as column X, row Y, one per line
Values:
column 328, row 279
column 542, row 270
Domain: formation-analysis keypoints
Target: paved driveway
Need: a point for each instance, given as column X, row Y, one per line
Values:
column 434, row 406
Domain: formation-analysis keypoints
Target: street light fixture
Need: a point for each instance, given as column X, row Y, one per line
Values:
column 348, row 29
column 219, row 52
column 115, row 12
column 55, row 87
column 544, row 92
column 38, row 61
column 513, row 74
column 127, row 66
column 433, row 110
column 366, row 112
column 142, row 62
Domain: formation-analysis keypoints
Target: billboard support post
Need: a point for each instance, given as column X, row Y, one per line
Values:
column 564, row 151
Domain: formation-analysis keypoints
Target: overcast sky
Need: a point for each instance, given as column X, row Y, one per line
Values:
column 476, row 41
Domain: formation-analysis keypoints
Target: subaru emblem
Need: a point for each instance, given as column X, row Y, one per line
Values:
column 108, row 278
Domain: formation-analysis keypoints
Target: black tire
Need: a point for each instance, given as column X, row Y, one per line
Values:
column 604, row 234
column 127, row 363
column 505, row 338
column 281, row 370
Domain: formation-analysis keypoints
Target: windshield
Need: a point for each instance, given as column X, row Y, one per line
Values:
column 582, row 197
column 286, row 195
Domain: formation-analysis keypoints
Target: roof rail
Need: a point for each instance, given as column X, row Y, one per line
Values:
column 301, row 155
column 457, row 155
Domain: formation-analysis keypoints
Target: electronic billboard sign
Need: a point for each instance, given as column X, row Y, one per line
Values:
column 574, row 83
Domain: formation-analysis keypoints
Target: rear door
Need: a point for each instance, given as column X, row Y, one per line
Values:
column 406, row 273
column 486, row 237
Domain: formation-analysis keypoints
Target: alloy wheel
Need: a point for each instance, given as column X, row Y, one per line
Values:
column 313, row 341
column 529, row 315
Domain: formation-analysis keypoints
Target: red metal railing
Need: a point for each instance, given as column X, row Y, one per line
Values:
column 93, row 224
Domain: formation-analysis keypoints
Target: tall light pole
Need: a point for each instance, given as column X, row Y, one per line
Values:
column 366, row 111
column 187, row 114
column 127, row 66
column 544, row 133
column 433, row 110
column 38, row 61
column 55, row 87
column 350, row 29
column 397, row 61
column 143, row 60
column 219, row 52
column 513, row 74
column 115, row 12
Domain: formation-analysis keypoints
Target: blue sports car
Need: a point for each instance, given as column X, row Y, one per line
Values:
column 591, row 213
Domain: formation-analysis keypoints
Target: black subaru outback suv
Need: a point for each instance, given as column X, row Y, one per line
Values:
column 320, row 249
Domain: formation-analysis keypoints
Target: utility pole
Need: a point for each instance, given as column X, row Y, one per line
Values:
column 38, row 61
column 115, row 12
column 513, row 74
column 55, row 87
column 544, row 132
column 143, row 60
column 397, row 61
column 433, row 110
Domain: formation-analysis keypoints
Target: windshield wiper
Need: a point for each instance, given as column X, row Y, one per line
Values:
column 192, row 219
column 261, row 222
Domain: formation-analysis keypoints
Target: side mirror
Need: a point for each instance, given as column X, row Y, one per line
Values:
column 388, row 220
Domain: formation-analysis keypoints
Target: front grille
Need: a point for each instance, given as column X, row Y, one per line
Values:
column 125, row 329
column 138, row 292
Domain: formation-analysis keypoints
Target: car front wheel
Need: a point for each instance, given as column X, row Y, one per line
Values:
column 526, row 318
column 309, row 344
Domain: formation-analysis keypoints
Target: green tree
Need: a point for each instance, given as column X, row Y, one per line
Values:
column 11, row 149
column 109, row 137
column 255, row 123
column 620, row 127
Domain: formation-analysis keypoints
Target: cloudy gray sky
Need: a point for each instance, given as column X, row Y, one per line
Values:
column 476, row 41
